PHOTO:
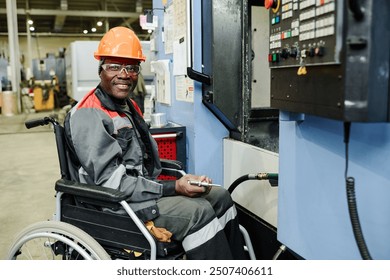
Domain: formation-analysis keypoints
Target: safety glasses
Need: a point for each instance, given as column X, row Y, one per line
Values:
column 117, row 68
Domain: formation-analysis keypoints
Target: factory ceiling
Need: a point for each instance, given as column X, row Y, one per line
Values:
column 74, row 17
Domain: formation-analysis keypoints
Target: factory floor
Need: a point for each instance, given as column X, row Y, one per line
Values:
column 28, row 170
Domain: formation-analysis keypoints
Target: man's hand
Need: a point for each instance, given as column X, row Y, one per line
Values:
column 182, row 186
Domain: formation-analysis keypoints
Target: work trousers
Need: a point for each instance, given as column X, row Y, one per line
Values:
column 207, row 226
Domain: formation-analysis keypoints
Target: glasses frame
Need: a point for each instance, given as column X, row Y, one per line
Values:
column 123, row 67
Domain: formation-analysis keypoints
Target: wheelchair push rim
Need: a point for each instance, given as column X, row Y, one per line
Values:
column 54, row 240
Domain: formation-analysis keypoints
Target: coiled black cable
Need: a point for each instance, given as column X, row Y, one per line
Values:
column 353, row 213
column 351, row 199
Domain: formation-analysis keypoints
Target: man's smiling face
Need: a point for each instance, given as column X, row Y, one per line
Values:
column 119, row 85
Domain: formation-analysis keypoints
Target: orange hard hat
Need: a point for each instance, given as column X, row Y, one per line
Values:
column 120, row 42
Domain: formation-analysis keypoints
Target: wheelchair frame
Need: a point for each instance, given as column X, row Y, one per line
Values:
column 81, row 233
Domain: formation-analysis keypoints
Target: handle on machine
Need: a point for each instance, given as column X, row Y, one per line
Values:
column 357, row 9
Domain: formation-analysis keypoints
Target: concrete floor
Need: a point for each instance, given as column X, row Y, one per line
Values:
column 28, row 170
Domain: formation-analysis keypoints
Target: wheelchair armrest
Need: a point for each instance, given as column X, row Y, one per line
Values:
column 171, row 164
column 89, row 191
column 172, row 168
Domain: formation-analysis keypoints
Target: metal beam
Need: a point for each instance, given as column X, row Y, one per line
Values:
column 45, row 12
column 53, row 34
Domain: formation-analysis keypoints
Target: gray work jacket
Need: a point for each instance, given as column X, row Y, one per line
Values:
column 111, row 146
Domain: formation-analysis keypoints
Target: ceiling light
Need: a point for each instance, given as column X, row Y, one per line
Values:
column 32, row 28
column 93, row 29
column 30, row 22
column 99, row 23
column 85, row 31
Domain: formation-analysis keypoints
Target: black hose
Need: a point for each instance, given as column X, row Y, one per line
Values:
column 260, row 176
column 357, row 230
column 237, row 182
column 273, row 179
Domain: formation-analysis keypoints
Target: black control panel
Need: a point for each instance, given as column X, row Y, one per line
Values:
column 303, row 33
column 330, row 58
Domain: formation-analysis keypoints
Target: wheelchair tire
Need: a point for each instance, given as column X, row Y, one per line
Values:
column 54, row 240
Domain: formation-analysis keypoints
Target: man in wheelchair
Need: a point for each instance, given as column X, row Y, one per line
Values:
column 111, row 146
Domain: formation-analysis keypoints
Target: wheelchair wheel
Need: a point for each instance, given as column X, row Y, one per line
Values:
column 53, row 240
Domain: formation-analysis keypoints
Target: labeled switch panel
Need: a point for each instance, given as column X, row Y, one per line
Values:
column 330, row 58
column 303, row 32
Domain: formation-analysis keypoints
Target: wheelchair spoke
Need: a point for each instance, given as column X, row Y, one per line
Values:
column 53, row 240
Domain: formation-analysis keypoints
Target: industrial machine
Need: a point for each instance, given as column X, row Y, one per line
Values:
column 48, row 67
column 45, row 92
column 329, row 64
column 81, row 68
column 3, row 73
column 327, row 67
column 236, row 79
column 236, row 90
column 49, row 82
column 330, row 58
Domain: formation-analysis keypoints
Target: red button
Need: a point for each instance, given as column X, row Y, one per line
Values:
column 268, row 3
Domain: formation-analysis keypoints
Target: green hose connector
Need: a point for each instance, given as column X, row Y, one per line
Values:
column 268, row 176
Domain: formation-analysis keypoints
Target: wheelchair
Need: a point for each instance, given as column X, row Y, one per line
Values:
column 80, row 229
